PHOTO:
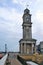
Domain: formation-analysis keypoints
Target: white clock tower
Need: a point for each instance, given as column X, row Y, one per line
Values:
column 27, row 44
column 27, row 33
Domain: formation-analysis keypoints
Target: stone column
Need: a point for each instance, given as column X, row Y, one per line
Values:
column 35, row 48
column 32, row 48
column 21, row 49
column 25, row 48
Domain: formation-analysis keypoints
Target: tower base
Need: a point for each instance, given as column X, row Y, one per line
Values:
column 27, row 46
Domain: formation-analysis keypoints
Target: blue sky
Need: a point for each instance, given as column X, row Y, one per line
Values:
column 11, row 12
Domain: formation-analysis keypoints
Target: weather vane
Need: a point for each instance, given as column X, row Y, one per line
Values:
column 27, row 6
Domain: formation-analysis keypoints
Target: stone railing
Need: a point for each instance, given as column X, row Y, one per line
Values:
column 3, row 60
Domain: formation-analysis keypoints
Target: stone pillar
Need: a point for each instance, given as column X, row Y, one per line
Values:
column 25, row 48
column 32, row 48
column 21, row 49
column 35, row 48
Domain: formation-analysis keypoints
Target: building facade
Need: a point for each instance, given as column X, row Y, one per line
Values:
column 27, row 44
column 41, row 46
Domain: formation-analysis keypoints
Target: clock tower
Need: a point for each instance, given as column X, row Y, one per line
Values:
column 27, row 34
column 27, row 44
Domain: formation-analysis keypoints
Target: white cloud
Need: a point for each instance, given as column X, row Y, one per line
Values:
column 13, row 19
column 39, row 1
column 9, row 15
column 39, row 16
column 15, row 1
column 23, row 3
column 38, row 25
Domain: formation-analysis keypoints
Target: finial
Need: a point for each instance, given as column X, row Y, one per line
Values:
column 27, row 6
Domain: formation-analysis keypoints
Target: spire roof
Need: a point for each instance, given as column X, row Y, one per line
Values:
column 26, row 11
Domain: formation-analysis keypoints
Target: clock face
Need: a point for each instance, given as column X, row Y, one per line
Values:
column 27, row 18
